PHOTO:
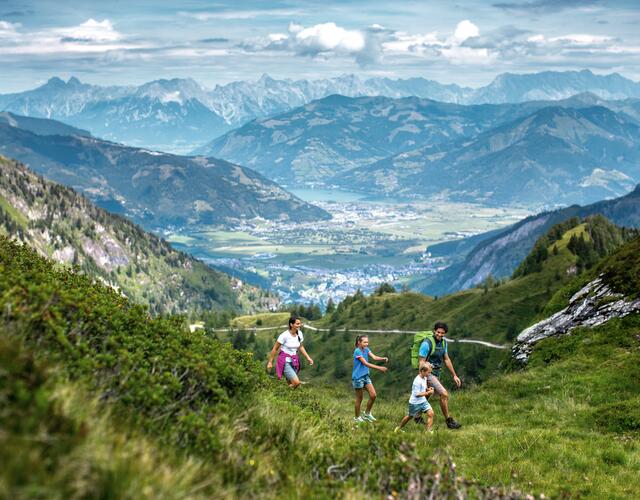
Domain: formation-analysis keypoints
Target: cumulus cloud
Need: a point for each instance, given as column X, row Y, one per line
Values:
column 324, row 38
column 464, row 30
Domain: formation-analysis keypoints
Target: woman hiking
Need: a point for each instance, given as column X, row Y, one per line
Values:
column 289, row 343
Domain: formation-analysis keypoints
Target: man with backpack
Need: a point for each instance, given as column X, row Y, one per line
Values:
column 432, row 347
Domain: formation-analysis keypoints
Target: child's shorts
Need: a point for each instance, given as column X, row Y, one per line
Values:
column 359, row 383
column 417, row 409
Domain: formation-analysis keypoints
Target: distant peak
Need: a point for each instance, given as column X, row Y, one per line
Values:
column 265, row 78
column 74, row 81
column 54, row 81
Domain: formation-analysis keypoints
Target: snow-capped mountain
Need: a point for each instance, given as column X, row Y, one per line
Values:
column 180, row 115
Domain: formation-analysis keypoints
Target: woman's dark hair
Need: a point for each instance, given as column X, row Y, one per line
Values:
column 360, row 337
column 442, row 325
column 292, row 320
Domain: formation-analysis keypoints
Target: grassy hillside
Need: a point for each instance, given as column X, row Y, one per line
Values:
column 222, row 427
column 65, row 226
column 103, row 401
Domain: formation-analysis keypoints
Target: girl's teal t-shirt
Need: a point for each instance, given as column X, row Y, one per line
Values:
column 359, row 369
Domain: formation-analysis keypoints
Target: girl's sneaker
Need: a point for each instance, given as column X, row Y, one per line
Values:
column 358, row 420
column 369, row 417
column 398, row 429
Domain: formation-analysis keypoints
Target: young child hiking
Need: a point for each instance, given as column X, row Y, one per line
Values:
column 418, row 403
column 360, row 376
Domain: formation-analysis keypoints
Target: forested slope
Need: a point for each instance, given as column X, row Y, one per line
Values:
column 67, row 227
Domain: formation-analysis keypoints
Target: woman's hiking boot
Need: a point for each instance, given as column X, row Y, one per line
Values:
column 452, row 424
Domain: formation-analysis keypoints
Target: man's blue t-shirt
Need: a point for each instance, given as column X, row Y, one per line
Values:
column 437, row 358
column 359, row 369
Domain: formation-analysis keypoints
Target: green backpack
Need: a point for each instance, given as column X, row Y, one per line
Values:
column 418, row 338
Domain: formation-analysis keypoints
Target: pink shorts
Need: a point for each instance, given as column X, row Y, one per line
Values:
column 432, row 381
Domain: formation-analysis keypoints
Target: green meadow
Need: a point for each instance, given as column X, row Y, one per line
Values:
column 101, row 400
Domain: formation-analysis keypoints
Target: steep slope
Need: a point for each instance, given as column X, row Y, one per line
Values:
column 610, row 290
column 556, row 155
column 152, row 188
column 499, row 255
column 66, row 227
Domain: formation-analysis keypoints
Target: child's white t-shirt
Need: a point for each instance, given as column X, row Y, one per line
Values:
column 290, row 343
column 419, row 385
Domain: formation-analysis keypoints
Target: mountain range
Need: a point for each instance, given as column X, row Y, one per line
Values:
column 152, row 188
column 180, row 115
column 538, row 153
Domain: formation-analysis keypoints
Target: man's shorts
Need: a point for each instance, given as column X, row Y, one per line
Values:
column 359, row 383
column 289, row 372
column 417, row 409
column 438, row 388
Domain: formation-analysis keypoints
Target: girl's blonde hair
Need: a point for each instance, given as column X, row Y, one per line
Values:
column 425, row 366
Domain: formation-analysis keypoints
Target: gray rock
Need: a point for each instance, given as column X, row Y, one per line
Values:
column 593, row 305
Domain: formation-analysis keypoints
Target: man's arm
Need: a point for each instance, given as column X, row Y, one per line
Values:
column 449, row 365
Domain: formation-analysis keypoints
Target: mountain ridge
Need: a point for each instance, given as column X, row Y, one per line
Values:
column 233, row 104
column 152, row 188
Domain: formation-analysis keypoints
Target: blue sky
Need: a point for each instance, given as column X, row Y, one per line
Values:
column 465, row 42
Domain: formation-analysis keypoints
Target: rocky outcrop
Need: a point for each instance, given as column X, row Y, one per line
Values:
column 593, row 305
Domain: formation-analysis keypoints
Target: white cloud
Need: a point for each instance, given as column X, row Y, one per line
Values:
column 319, row 40
column 91, row 31
column 435, row 45
column 328, row 37
column 90, row 37
column 583, row 39
column 464, row 30
column 403, row 42
column 7, row 27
